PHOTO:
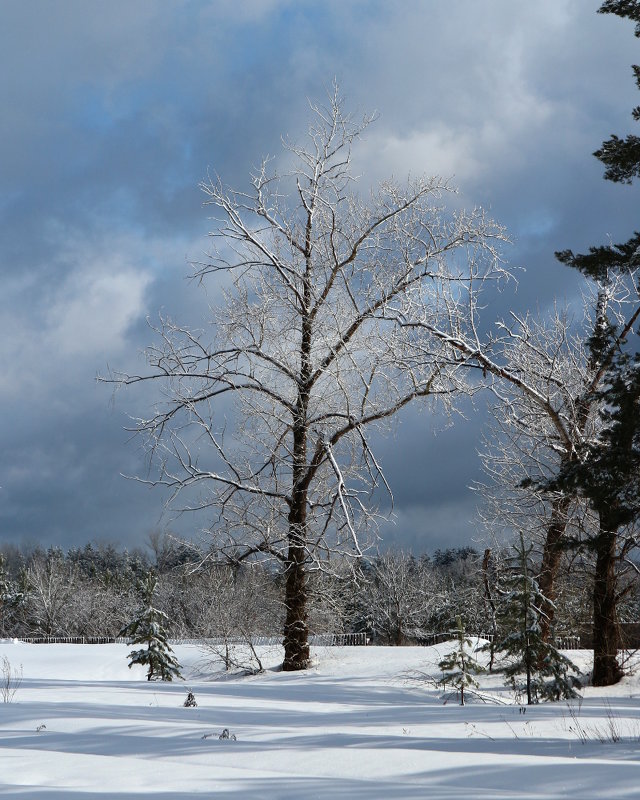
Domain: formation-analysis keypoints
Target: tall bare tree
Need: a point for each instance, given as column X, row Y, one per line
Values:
column 308, row 344
column 52, row 586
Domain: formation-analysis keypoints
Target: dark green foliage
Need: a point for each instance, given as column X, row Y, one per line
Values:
column 607, row 474
column 601, row 261
column 109, row 566
column 623, row 8
column 148, row 629
column 448, row 557
column 621, row 157
column 608, row 471
column 460, row 666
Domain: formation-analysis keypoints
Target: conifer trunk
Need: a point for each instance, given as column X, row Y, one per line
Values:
column 606, row 633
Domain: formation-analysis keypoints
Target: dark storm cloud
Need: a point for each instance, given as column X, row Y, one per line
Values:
column 112, row 114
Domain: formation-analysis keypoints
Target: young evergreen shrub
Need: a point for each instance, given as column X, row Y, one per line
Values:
column 534, row 667
column 148, row 629
column 459, row 666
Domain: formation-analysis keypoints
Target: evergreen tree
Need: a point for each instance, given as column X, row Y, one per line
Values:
column 622, row 156
column 148, row 629
column 529, row 657
column 607, row 473
column 460, row 666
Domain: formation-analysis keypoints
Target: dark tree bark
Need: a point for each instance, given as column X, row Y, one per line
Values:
column 551, row 556
column 488, row 594
column 606, row 632
column 296, row 641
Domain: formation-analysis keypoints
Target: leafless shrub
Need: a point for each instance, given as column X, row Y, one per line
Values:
column 611, row 730
column 10, row 681
column 235, row 653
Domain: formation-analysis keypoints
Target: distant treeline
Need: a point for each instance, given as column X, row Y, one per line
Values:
column 395, row 598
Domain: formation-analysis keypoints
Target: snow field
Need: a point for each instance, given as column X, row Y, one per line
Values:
column 359, row 724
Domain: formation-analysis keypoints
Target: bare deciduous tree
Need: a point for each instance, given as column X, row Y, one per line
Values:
column 307, row 342
column 401, row 597
column 52, row 585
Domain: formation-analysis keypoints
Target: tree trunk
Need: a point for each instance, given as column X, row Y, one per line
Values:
column 492, row 606
column 397, row 637
column 551, row 554
column 606, row 634
column 296, row 633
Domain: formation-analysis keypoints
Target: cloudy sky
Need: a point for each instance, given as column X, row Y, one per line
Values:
column 112, row 113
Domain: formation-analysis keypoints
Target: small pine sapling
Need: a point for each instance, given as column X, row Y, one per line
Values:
column 562, row 685
column 459, row 667
column 148, row 629
column 530, row 659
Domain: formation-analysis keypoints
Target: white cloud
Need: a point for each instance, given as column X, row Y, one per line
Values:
column 92, row 312
column 436, row 151
column 77, row 315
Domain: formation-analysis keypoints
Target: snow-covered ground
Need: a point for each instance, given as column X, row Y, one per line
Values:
column 357, row 725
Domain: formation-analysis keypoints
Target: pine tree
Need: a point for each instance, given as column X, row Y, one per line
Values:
column 460, row 666
column 608, row 471
column 148, row 629
column 622, row 156
column 530, row 659
column 608, row 475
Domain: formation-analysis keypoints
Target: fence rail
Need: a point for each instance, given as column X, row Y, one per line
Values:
column 317, row 640
column 561, row 642
column 428, row 639
column 72, row 639
column 568, row 643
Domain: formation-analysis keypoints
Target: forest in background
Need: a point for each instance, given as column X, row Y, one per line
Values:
column 395, row 598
